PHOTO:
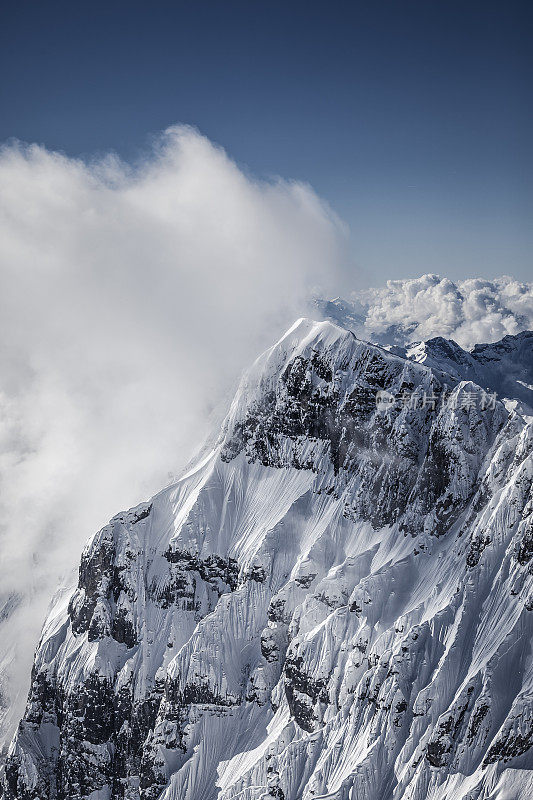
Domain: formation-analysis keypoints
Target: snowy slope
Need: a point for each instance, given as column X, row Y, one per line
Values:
column 335, row 602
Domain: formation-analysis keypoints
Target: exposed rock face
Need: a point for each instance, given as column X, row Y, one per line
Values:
column 335, row 602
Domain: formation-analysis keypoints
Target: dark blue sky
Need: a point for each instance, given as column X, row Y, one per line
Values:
column 413, row 118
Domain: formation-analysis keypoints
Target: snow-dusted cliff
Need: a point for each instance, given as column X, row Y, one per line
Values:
column 335, row 602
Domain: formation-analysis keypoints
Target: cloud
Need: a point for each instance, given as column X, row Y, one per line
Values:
column 131, row 299
column 470, row 311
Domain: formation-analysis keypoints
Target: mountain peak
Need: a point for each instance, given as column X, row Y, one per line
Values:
column 331, row 603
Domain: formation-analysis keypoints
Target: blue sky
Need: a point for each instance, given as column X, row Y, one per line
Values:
column 412, row 119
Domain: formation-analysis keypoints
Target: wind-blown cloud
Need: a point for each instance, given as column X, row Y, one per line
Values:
column 469, row 311
column 131, row 299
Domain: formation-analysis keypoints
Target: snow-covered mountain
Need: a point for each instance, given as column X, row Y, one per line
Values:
column 504, row 367
column 335, row 601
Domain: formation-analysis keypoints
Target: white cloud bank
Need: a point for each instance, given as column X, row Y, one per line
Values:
column 469, row 311
column 130, row 300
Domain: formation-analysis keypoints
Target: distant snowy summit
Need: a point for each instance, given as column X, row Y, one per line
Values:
column 468, row 311
column 335, row 602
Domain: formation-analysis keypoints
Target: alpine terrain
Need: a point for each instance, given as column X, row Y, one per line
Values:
column 335, row 601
